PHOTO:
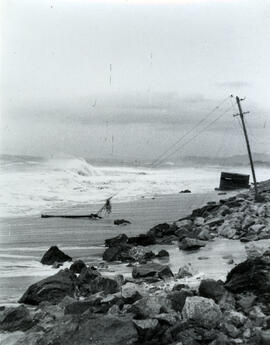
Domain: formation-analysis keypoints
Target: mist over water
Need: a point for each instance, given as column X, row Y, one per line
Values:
column 30, row 186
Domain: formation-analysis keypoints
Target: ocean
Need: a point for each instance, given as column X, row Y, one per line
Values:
column 30, row 186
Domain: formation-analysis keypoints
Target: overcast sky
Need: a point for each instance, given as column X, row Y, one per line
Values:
column 126, row 78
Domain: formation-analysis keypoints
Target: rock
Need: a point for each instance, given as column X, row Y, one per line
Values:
column 117, row 253
column 78, row 307
column 185, row 271
column 54, row 254
column 114, row 310
column 253, row 251
column 149, row 306
column 211, row 288
column 205, row 234
column 94, row 329
column 226, row 230
column 121, row 222
column 203, row 257
column 142, row 240
column 162, row 253
column 199, row 221
column 150, row 270
column 139, row 254
column 115, row 241
column 87, row 274
column 227, row 301
column 178, row 298
column 214, row 221
column 256, row 314
column 234, row 317
column 146, row 328
column 203, row 311
column 52, row 289
column 184, row 223
column 98, row 284
column 77, row 266
column 265, row 337
column 130, row 293
column 191, row 244
column 185, row 191
column 162, row 230
column 15, row 318
column 250, row 276
column 230, row 330
column 245, row 302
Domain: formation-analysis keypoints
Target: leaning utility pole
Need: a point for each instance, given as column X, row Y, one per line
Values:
column 241, row 114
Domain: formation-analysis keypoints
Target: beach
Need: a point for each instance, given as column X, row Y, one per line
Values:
column 25, row 239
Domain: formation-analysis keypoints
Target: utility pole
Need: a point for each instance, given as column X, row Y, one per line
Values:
column 241, row 114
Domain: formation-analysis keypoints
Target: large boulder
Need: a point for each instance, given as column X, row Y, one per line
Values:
column 151, row 270
column 118, row 253
column 130, row 293
column 77, row 266
column 202, row 311
column 178, row 298
column 151, row 306
column 52, row 289
column 15, row 318
column 146, row 328
column 90, row 282
column 191, row 244
column 93, row 329
column 252, row 275
column 161, row 230
column 116, row 241
column 142, row 240
column 211, row 288
column 54, row 254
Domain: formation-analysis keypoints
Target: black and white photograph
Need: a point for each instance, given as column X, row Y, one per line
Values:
column 135, row 172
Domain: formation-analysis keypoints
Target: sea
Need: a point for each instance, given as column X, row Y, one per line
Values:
column 144, row 195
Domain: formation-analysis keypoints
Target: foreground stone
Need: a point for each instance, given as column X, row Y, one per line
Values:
column 14, row 319
column 212, row 289
column 54, row 254
column 92, row 330
column 52, row 289
column 203, row 311
column 250, row 276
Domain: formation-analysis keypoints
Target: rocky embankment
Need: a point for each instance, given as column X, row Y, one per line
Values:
column 80, row 306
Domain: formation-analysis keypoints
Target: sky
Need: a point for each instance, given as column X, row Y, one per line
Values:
column 125, row 79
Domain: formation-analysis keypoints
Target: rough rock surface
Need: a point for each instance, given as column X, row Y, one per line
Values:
column 52, row 289
column 54, row 254
column 77, row 266
column 14, row 319
column 203, row 311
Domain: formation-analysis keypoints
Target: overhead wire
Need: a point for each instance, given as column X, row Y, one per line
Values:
column 192, row 138
column 189, row 131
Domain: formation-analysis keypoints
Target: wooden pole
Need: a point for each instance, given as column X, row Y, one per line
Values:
column 238, row 101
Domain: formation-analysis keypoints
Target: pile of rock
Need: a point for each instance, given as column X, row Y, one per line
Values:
column 88, row 308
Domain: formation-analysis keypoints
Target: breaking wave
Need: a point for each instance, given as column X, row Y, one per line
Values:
column 30, row 186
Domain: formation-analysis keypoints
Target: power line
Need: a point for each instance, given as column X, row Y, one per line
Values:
column 188, row 132
column 192, row 138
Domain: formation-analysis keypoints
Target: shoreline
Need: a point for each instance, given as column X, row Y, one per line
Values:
column 148, row 307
